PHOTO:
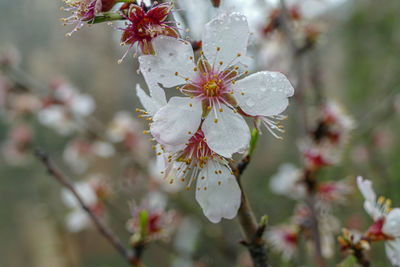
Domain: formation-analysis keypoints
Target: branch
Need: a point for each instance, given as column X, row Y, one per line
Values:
column 253, row 231
column 131, row 258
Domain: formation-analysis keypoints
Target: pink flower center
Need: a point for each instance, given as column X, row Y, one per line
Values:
column 197, row 150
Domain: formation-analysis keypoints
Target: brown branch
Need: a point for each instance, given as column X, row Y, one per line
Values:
column 132, row 258
column 253, row 231
column 319, row 259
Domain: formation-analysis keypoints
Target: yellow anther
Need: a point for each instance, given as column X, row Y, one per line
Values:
column 191, row 58
column 216, row 120
column 381, row 199
column 220, row 109
column 205, row 188
column 202, row 177
column 246, row 72
column 187, row 188
column 176, row 73
column 186, row 79
column 242, row 93
column 171, row 181
column 145, row 132
column 159, row 153
column 236, row 68
column 238, row 54
column 202, row 53
column 233, row 82
column 219, row 182
column 195, row 69
column 189, row 132
column 218, row 48
column 220, row 63
column 190, row 104
column 209, row 107
column 182, row 179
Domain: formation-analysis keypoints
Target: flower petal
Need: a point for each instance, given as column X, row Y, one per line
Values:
column 365, row 187
column 393, row 251
column 218, row 193
column 151, row 104
column 226, row 132
column 392, row 223
column 229, row 32
column 77, row 220
column 171, row 64
column 263, row 93
column 175, row 123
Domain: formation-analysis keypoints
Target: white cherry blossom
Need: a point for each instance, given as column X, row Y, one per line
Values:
column 386, row 220
column 215, row 93
column 188, row 159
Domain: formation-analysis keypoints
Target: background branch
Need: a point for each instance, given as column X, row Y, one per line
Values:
column 132, row 258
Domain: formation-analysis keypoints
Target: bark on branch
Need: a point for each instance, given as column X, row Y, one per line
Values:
column 132, row 258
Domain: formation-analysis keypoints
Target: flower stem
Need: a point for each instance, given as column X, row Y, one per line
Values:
column 252, row 231
column 111, row 16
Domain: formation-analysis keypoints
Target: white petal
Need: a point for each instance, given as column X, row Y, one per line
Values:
column 171, row 56
column 83, row 105
column 392, row 223
column 393, row 251
column 150, row 104
column 230, row 32
column 263, row 93
column 77, row 221
column 365, row 187
column 218, row 201
column 172, row 123
column 229, row 135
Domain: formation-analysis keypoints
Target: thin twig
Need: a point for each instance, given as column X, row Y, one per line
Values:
column 132, row 258
column 253, row 231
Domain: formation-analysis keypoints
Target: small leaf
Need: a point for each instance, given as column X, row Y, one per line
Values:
column 350, row 261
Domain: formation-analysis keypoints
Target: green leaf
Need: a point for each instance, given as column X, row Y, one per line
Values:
column 350, row 261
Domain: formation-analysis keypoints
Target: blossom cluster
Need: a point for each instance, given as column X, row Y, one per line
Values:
column 322, row 147
column 199, row 131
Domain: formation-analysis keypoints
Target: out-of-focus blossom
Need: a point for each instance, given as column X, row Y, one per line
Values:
column 316, row 156
column 77, row 219
column 65, row 108
column 124, row 129
column 80, row 152
column 334, row 124
column 214, row 88
column 334, row 191
column 24, row 103
column 386, row 226
column 283, row 239
column 143, row 26
column 84, row 11
column 187, row 236
column 288, row 182
column 16, row 147
column 150, row 221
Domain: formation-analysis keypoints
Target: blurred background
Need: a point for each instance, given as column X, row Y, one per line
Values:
column 355, row 61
